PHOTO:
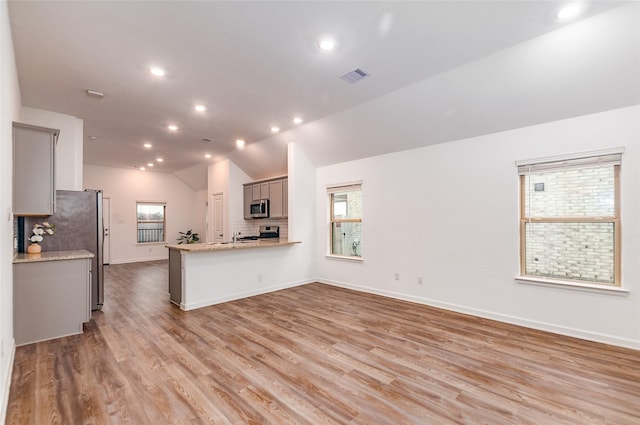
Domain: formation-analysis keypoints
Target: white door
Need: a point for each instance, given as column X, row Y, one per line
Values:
column 106, row 225
column 217, row 217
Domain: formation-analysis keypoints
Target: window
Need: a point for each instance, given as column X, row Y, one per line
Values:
column 569, row 221
column 345, row 222
column 151, row 221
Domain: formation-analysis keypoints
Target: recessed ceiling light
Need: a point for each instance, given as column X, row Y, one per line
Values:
column 93, row 138
column 200, row 108
column 159, row 159
column 297, row 120
column 148, row 145
column 207, row 155
column 172, row 127
column 142, row 169
column 158, row 72
column 569, row 12
column 150, row 164
column 240, row 144
column 327, row 44
column 275, row 129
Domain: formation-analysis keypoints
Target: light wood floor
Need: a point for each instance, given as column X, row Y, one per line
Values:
column 312, row 355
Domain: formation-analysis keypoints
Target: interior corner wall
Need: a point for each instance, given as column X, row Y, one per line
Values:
column 218, row 182
column 449, row 213
column 69, row 149
column 227, row 178
column 237, row 178
column 10, row 104
column 200, row 214
column 125, row 188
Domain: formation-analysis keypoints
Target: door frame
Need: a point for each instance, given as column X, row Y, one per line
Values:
column 106, row 229
column 212, row 212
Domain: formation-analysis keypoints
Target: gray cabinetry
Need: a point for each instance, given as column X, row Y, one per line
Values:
column 248, row 197
column 285, row 198
column 275, row 190
column 175, row 276
column 275, row 200
column 260, row 191
column 51, row 299
column 34, row 191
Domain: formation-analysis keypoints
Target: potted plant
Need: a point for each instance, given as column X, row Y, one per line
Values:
column 188, row 237
column 37, row 236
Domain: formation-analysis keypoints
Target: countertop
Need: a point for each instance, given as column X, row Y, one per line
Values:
column 206, row 247
column 76, row 254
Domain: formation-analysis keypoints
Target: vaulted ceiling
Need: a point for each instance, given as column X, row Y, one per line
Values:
column 255, row 65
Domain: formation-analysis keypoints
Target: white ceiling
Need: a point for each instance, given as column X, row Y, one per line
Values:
column 255, row 64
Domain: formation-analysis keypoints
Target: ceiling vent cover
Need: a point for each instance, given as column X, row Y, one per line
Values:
column 354, row 76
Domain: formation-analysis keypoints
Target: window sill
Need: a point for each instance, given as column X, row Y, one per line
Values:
column 342, row 257
column 576, row 286
column 150, row 243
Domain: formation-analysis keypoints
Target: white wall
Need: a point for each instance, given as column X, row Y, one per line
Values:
column 449, row 213
column 69, row 146
column 227, row 178
column 125, row 188
column 302, row 211
column 10, row 103
column 201, row 210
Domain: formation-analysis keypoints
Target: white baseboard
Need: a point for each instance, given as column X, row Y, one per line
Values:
column 514, row 320
column 6, row 385
column 239, row 295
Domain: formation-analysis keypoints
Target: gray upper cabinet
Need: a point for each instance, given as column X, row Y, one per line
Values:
column 260, row 191
column 34, row 190
column 274, row 190
column 248, row 197
column 285, row 198
column 275, row 199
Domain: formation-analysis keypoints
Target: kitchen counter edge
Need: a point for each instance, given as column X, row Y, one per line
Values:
column 207, row 247
column 76, row 254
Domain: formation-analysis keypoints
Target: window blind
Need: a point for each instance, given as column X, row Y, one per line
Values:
column 547, row 165
column 345, row 187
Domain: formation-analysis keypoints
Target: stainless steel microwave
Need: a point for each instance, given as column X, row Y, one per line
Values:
column 260, row 208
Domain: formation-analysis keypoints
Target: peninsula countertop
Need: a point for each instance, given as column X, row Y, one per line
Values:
column 225, row 246
column 75, row 254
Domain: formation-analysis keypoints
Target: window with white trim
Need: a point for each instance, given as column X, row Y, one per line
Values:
column 151, row 219
column 345, row 220
column 570, row 219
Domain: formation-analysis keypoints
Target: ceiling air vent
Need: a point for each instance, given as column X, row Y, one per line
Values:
column 354, row 76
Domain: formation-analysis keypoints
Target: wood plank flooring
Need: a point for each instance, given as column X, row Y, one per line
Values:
column 314, row 354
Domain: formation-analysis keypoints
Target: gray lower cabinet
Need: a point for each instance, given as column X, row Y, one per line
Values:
column 34, row 191
column 51, row 299
column 175, row 276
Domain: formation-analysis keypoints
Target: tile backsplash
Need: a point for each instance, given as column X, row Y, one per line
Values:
column 251, row 227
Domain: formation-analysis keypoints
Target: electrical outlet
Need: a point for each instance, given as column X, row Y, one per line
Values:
column 2, row 348
column 397, row 276
column 420, row 281
column 260, row 278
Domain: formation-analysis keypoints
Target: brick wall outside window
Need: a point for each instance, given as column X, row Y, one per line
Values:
column 582, row 251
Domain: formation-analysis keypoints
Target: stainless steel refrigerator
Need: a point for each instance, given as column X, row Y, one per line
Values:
column 79, row 225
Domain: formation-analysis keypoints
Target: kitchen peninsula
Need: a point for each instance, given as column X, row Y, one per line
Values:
column 205, row 274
